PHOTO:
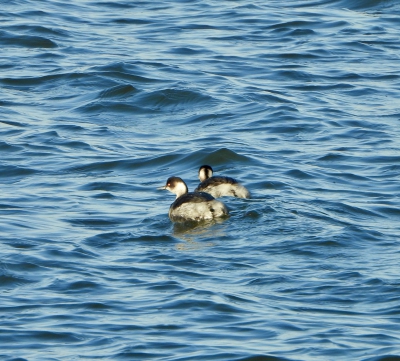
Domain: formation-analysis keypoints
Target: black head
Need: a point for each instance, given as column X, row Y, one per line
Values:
column 205, row 172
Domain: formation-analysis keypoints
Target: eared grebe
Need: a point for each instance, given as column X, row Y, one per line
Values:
column 219, row 186
column 192, row 206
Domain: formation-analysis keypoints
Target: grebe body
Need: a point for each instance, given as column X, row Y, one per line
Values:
column 219, row 186
column 192, row 206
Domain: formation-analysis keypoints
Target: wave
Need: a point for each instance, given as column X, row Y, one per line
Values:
column 368, row 5
column 26, row 41
column 358, row 5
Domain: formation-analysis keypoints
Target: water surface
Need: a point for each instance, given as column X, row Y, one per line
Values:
column 102, row 101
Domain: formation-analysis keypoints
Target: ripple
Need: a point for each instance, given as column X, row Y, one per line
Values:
column 27, row 41
column 117, row 91
column 261, row 358
column 383, row 358
column 11, row 171
column 173, row 98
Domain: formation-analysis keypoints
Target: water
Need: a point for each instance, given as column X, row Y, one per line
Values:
column 102, row 101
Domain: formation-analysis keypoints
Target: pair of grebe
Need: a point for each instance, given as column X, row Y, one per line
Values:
column 201, row 204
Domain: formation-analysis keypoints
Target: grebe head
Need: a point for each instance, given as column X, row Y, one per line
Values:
column 205, row 172
column 176, row 185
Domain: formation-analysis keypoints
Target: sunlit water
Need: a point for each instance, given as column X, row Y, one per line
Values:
column 102, row 101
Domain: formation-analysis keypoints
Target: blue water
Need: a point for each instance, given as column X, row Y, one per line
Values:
column 101, row 102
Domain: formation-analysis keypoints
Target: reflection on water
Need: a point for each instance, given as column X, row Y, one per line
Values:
column 193, row 245
column 198, row 234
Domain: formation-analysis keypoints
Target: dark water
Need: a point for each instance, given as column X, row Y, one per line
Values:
column 100, row 102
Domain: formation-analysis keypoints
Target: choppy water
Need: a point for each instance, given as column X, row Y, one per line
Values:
column 102, row 101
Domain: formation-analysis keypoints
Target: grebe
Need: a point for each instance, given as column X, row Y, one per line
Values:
column 192, row 206
column 219, row 186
